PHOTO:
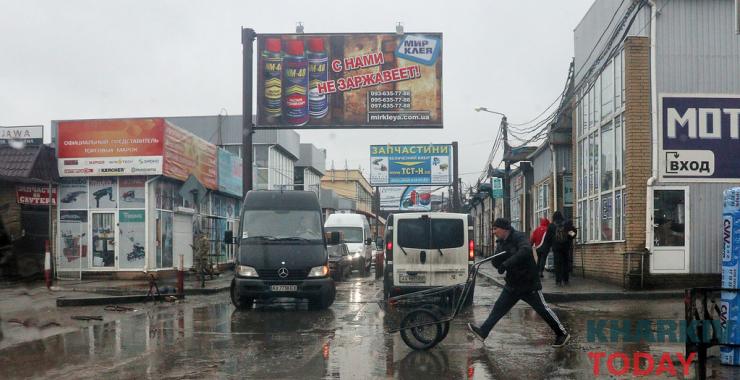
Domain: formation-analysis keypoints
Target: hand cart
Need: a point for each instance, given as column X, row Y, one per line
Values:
column 428, row 323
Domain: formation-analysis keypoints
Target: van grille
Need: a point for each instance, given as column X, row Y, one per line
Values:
column 272, row 274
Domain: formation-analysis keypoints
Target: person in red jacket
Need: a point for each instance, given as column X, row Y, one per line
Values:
column 541, row 242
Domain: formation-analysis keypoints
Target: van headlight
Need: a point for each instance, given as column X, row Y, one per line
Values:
column 246, row 271
column 357, row 254
column 321, row 271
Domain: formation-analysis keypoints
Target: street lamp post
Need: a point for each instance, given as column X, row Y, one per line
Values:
column 507, row 163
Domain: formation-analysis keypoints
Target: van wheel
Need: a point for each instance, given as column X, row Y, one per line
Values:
column 322, row 302
column 241, row 303
column 363, row 268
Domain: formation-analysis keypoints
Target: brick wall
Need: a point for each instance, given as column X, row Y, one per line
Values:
column 602, row 261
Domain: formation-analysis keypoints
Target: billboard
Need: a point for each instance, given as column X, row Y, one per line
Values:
column 422, row 164
column 186, row 154
column 406, row 198
column 110, row 147
column 699, row 137
column 366, row 80
column 229, row 173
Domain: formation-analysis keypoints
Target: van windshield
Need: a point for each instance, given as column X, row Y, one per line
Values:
column 440, row 233
column 349, row 234
column 281, row 224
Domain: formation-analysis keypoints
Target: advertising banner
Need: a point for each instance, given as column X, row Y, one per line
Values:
column 422, row 164
column 131, row 192
column 186, row 154
column 366, row 80
column 33, row 134
column 229, row 173
column 73, row 239
column 35, row 195
column 699, row 137
column 406, row 198
column 73, row 193
column 103, row 193
column 112, row 147
column 497, row 187
column 132, row 228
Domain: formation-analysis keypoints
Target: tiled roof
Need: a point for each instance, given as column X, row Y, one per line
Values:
column 25, row 163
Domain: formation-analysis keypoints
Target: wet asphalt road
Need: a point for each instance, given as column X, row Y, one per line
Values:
column 208, row 338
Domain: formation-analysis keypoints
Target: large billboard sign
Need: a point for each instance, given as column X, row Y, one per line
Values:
column 186, row 154
column 326, row 81
column 111, row 147
column 699, row 137
column 229, row 173
column 406, row 198
column 422, row 164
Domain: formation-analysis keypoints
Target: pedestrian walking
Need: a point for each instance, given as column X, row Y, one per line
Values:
column 514, row 257
column 563, row 233
column 541, row 242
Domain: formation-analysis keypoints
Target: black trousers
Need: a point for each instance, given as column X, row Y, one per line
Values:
column 562, row 269
column 508, row 299
column 542, row 260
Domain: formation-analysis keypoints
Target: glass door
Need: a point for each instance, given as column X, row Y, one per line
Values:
column 670, row 230
column 103, row 240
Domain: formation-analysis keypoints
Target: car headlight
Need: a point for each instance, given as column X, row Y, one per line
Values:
column 321, row 271
column 358, row 253
column 246, row 271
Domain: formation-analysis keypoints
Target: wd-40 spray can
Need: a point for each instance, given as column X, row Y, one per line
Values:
column 273, row 71
column 295, row 84
column 318, row 104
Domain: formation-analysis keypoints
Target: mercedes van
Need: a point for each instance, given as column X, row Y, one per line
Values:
column 424, row 250
column 355, row 230
column 282, row 250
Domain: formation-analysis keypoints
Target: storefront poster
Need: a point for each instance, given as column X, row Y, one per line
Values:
column 103, row 193
column 132, row 230
column 229, row 173
column 111, row 147
column 73, row 193
column 700, row 137
column 422, row 164
column 131, row 192
column 35, row 195
column 406, row 198
column 186, row 154
column 73, row 239
column 362, row 80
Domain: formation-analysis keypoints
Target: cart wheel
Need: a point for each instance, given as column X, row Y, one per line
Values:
column 440, row 315
column 424, row 337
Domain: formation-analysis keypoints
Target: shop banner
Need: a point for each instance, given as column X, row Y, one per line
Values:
column 33, row 134
column 73, row 193
column 35, row 195
column 132, row 192
column 365, row 80
column 422, row 164
column 229, row 173
column 112, row 147
column 132, row 228
column 185, row 154
column 700, row 137
column 406, row 198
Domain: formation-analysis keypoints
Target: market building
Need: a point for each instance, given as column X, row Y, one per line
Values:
column 655, row 119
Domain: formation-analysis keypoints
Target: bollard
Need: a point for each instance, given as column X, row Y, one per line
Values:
column 47, row 265
column 181, row 277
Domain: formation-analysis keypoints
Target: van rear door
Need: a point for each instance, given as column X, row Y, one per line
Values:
column 411, row 266
column 448, row 256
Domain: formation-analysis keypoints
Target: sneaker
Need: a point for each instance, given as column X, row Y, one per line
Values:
column 561, row 340
column 542, row 275
column 476, row 331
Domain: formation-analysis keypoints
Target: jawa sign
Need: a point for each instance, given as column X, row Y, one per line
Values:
column 349, row 81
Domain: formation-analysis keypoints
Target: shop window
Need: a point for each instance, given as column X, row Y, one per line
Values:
column 103, row 193
column 607, row 157
column 73, row 194
column 131, row 192
column 606, row 217
column 607, row 91
column 669, row 218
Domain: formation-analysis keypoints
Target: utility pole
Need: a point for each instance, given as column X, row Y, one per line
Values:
column 455, row 188
column 507, row 168
column 248, row 37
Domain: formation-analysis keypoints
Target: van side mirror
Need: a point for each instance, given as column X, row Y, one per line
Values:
column 333, row 238
column 368, row 241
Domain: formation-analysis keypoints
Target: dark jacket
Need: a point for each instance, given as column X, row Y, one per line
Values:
column 563, row 246
column 522, row 275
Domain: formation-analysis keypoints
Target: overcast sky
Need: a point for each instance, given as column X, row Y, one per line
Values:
column 102, row 59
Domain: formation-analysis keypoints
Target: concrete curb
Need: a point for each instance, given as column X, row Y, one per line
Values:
column 137, row 292
column 600, row 296
column 112, row 300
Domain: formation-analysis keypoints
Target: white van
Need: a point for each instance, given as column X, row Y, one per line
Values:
column 355, row 230
column 426, row 250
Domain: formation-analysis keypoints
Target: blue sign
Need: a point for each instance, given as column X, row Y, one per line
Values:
column 229, row 173
column 700, row 137
column 497, row 188
column 422, row 164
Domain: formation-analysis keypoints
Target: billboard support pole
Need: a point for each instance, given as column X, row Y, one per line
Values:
column 455, row 188
column 248, row 36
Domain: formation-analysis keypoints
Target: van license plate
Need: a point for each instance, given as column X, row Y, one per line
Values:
column 284, row 288
column 408, row 278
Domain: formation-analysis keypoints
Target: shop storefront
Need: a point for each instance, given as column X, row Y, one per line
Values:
column 111, row 219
